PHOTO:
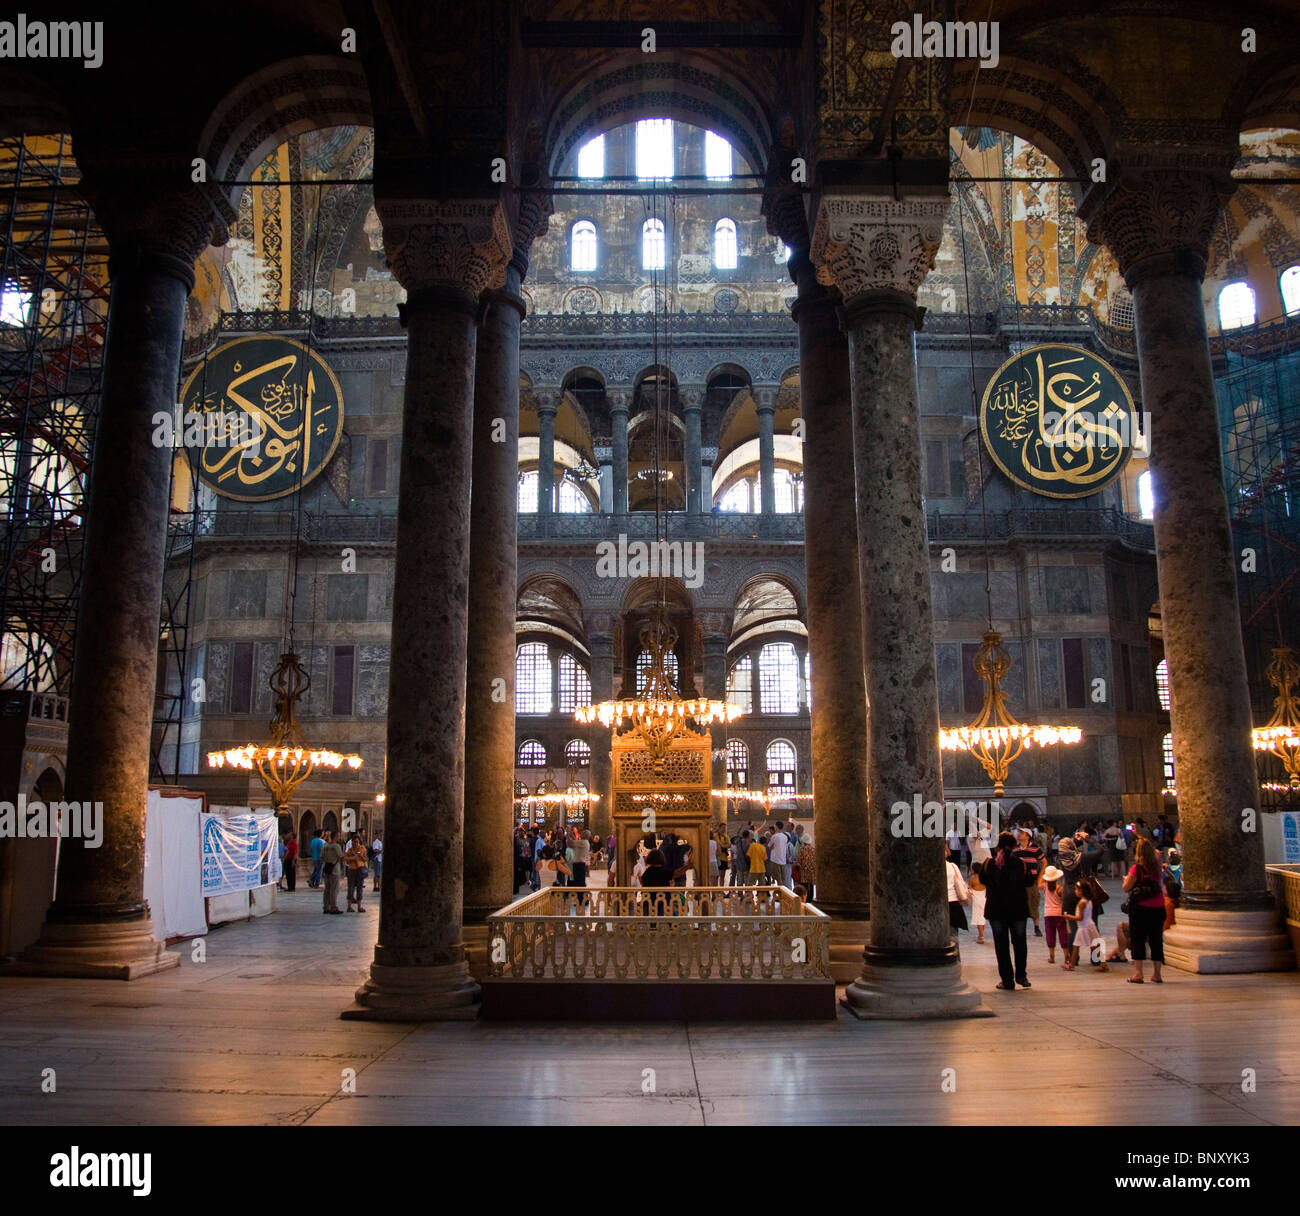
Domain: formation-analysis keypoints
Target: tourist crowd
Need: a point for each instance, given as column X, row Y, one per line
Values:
column 1032, row 875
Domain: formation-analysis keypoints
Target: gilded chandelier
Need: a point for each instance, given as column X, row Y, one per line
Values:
column 1280, row 736
column 283, row 762
column 658, row 715
column 995, row 738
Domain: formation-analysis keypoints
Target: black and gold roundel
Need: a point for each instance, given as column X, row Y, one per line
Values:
column 273, row 412
column 1059, row 421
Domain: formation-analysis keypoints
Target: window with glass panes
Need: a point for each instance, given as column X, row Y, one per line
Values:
column 1167, row 750
column 575, row 686
column 654, row 148
column 740, row 685
column 780, row 767
column 582, row 251
column 532, row 754
column 778, row 679
column 532, row 679
column 737, row 764
column 577, row 753
column 652, row 245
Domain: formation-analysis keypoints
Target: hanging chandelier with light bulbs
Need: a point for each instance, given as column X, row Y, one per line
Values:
column 995, row 737
column 284, row 762
column 1280, row 736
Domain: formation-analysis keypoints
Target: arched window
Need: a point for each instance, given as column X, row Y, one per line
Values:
column 532, row 754
column 1236, row 306
column 740, row 685
column 1162, row 683
column 724, row 244
column 654, row 148
column 778, row 679
column 570, row 500
column 1146, row 496
column 575, row 685
column 1167, row 750
column 737, row 764
column 582, row 246
column 532, row 679
column 1289, row 282
column 577, row 753
column 652, row 244
column 717, row 157
column 591, row 158
column 807, row 678
column 780, row 767
column 643, row 662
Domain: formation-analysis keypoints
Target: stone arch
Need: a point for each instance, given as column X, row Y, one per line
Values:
column 1061, row 109
column 553, row 604
column 281, row 99
column 330, row 821
column 306, row 829
column 688, row 87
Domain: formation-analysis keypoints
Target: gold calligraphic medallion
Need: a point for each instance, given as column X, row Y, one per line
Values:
column 1059, row 421
column 269, row 413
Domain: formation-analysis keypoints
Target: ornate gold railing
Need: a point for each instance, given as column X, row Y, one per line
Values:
column 1284, row 882
column 696, row 934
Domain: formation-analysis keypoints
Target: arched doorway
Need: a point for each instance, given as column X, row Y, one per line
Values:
column 331, row 821
column 306, row 830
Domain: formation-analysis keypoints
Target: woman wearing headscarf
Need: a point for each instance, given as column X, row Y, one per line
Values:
column 1007, row 908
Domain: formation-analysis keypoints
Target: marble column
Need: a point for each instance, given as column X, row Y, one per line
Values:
column 603, row 448
column 692, row 413
column 708, row 458
column 618, row 410
column 765, row 399
column 715, row 688
column 839, row 706
column 548, row 401
column 490, row 640
column 444, row 252
column 99, row 926
column 877, row 251
column 1158, row 224
column 599, row 737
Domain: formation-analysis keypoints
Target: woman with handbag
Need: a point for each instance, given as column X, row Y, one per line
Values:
column 1146, row 911
column 958, row 894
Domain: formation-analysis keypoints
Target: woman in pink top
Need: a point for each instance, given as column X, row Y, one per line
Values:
column 1146, row 911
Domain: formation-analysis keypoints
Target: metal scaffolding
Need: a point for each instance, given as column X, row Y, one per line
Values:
column 53, row 314
column 1259, row 413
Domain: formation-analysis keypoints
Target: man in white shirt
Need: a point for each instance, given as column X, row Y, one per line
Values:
column 954, row 845
column 980, row 849
column 778, row 853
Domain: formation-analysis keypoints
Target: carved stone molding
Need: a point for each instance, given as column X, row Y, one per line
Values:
column 708, row 455
column 449, row 244
column 1145, row 218
column 765, row 397
column 619, row 400
column 147, row 221
column 692, row 397
column 533, row 220
column 787, row 216
column 864, row 243
column 547, row 399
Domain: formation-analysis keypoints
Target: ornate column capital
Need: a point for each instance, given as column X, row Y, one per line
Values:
column 708, row 455
column 692, row 397
column 1157, row 217
column 602, row 447
column 531, row 221
column 547, row 399
column 148, row 221
column 787, row 214
column 868, row 243
column 619, row 400
column 459, row 246
column 765, row 397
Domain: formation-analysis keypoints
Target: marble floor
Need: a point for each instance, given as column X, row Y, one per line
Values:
column 252, row 1035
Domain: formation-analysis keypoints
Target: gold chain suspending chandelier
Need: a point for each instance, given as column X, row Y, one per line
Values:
column 658, row 715
column 994, row 737
column 1280, row 736
column 284, row 762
